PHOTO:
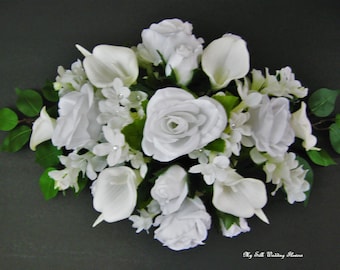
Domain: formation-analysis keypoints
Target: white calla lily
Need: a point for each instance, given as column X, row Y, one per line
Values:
column 107, row 62
column 303, row 128
column 225, row 59
column 241, row 197
column 115, row 194
column 42, row 129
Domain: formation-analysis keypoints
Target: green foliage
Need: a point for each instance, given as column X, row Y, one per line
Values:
column 134, row 133
column 46, row 184
column 322, row 102
column 218, row 145
column 228, row 101
column 47, row 154
column 228, row 219
column 49, row 93
column 321, row 157
column 16, row 139
column 309, row 176
column 82, row 183
column 334, row 135
column 8, row 119
column 29, row 102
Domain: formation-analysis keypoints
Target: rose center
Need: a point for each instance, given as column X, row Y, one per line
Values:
column 176, row 125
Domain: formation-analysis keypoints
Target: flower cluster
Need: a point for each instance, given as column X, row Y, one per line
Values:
column 172, row 135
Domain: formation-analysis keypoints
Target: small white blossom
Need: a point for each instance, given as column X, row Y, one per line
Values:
column 114, row 149
column 143, row 221
column 137, row 162
column 235, row 229
column 284, row 172
column 237, row 130
column 212, row 171
column 282, row 84
column 65, row 178
column 71, row 79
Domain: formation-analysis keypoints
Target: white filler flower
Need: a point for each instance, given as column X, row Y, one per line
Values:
column 178, row 124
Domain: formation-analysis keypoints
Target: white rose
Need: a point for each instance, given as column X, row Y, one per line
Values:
column 270, row 125
column 170, row 189
column 172, row 40
column 178, row 124
column 115, row 194
column 303, row 128
column 225, row 59
column 42, row 129
column 186, row 228
column 76, row 124
column 107, row 62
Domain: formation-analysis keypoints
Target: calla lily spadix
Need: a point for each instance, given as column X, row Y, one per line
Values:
column 115, row 194
column 107, row 62
column 225, row 59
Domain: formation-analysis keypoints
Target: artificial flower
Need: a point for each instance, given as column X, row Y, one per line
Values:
column 284, row 171
column 172, row 41
column 115, row 193
column 282, row 84
column 235, row 229
column 225, row 59
column 177, row 123
column 186, row 228
column 270, row 126
column 303, row 128
column 76, row 125
column 114, row 149
column 238, row 196
column 107, row 62
column 42, row 129
column 170, row 189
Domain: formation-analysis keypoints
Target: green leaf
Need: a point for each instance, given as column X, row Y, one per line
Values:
column 29, row 102
column 228, row 219
column 46, row 184
column 134, row 133
column 228, row 101
column 8, row 119
column 218, row 145
column 309, row 176
column 50, row 93
column 334, row 136
column 16, row 139
column 337, row 119
column 322, row 102
column 82, row 183
column 47, row 155
column 321, row 157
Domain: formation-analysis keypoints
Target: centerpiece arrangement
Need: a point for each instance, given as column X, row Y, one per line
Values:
column 174, row 135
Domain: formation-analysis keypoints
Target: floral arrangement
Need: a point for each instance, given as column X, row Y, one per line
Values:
column 174, row 135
